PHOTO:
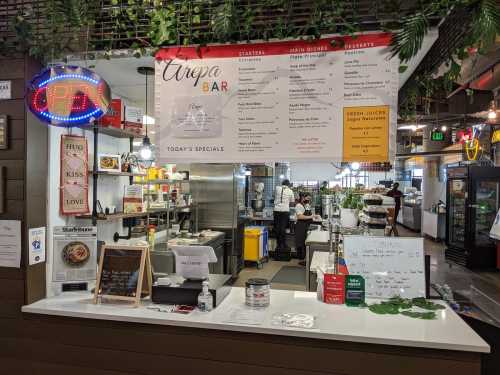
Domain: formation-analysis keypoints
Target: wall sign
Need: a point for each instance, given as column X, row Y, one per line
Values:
column 68, row 96
column 366, row 133
column 278, row 101
column 10, row 243
column 4, row 132
column 437, row 136
column 36, row 244
column 74, row 176
column 5, row 90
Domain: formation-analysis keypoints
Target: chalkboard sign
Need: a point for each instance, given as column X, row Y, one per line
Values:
column 390, row 265
column 124, row 273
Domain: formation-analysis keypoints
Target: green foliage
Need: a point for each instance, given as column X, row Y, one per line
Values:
column 352, row 200
column 408, row 41
column 397, row 305
column 225, row 21
column 163, row 26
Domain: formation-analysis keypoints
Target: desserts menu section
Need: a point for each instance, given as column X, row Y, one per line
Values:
column 328, row 99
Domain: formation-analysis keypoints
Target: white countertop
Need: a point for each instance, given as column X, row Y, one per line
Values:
column 318, row 236
column 334, row 322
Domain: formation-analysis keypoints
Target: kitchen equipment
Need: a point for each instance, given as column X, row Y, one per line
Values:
column 219, row 192
column 472, row 200
column 186, row 293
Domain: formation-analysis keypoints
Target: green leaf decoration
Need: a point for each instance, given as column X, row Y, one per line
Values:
column 397, row 305
column 426, row 305
column 402, row 68
column 407, row 42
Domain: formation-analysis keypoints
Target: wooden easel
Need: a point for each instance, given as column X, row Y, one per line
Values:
column 141, row 263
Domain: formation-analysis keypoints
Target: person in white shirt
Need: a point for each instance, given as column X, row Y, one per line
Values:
column 282, row 199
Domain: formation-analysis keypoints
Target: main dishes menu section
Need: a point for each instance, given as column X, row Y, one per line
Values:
column 277, row 101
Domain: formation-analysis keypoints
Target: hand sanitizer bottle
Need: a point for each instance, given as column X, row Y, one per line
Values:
column 205, row 298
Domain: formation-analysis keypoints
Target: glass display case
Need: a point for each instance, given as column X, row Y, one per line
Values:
column 472, row 200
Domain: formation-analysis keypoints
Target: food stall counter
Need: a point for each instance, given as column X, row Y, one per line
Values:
column 333, row 322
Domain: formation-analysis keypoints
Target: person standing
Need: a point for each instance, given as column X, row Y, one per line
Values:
column 282, row 199
column 304, row 219
column 397, row 195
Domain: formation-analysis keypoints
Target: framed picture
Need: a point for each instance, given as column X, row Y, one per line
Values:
column 109, row 163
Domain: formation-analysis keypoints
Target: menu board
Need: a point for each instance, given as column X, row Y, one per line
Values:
column 391, row 266
column 331, row 99
column 124, row 273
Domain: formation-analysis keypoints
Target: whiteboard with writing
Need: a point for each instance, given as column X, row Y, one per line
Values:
column 390, row 265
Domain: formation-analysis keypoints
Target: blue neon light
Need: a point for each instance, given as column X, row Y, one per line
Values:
column 70, row 119
column 65, row 76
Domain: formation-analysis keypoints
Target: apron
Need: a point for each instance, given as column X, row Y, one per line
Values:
column 301, row 228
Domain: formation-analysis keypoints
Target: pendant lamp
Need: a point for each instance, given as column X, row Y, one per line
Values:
column 146, row 150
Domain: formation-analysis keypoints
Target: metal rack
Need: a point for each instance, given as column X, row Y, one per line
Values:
column 95, row 216
column 168, row 209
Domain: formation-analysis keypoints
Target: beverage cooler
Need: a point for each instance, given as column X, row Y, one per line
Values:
column 472, row 199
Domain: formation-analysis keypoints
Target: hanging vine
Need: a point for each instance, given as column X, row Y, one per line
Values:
column 69, row 23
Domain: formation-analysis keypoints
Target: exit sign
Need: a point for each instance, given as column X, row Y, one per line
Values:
column 437, row 136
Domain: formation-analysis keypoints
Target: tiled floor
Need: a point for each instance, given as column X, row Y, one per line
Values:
column 457, row 277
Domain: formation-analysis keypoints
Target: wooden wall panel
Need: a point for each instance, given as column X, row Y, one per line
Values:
column 11, row 69
column 23, row 367
column 150, row 349
column 15, row 168
column 16, row 150
column 12, row 280
column 15, row 190
column 17, row 129
column 14, row 210
column 15, row 108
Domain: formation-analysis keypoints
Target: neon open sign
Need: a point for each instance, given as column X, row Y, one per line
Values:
column 68, row 96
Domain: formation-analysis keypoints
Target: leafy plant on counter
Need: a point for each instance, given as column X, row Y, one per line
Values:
column 352, row 201
column 397, row 305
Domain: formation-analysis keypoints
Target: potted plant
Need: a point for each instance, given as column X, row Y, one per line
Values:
column 349, row 209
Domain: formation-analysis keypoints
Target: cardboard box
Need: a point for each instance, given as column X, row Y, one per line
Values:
column 133, row 201
column 113, row 118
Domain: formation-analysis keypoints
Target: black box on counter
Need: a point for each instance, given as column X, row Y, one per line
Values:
column 187, row 292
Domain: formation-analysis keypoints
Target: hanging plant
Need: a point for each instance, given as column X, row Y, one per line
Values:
column 163, row 29
column 225, row 21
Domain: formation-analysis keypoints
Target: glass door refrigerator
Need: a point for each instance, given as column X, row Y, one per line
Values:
column 472, row 200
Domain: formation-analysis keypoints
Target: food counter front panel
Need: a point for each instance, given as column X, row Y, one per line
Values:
column 73, row 333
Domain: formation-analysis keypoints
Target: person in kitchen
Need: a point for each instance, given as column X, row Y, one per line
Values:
column 282, row 199
column 304, row 219
column 396, row 194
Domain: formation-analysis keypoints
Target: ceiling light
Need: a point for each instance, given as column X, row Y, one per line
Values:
column 355, row 166
column 146, row 152
column 282, row 176
column 444, row 128
column 148, row 120
column 346, row 171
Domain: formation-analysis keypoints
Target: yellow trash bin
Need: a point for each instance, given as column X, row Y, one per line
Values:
column 251, row 244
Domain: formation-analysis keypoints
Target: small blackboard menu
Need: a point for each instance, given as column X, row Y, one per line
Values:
column 124, row 273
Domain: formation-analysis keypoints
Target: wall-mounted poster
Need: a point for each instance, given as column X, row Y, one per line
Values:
column 281, row 101
column 74, row 176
